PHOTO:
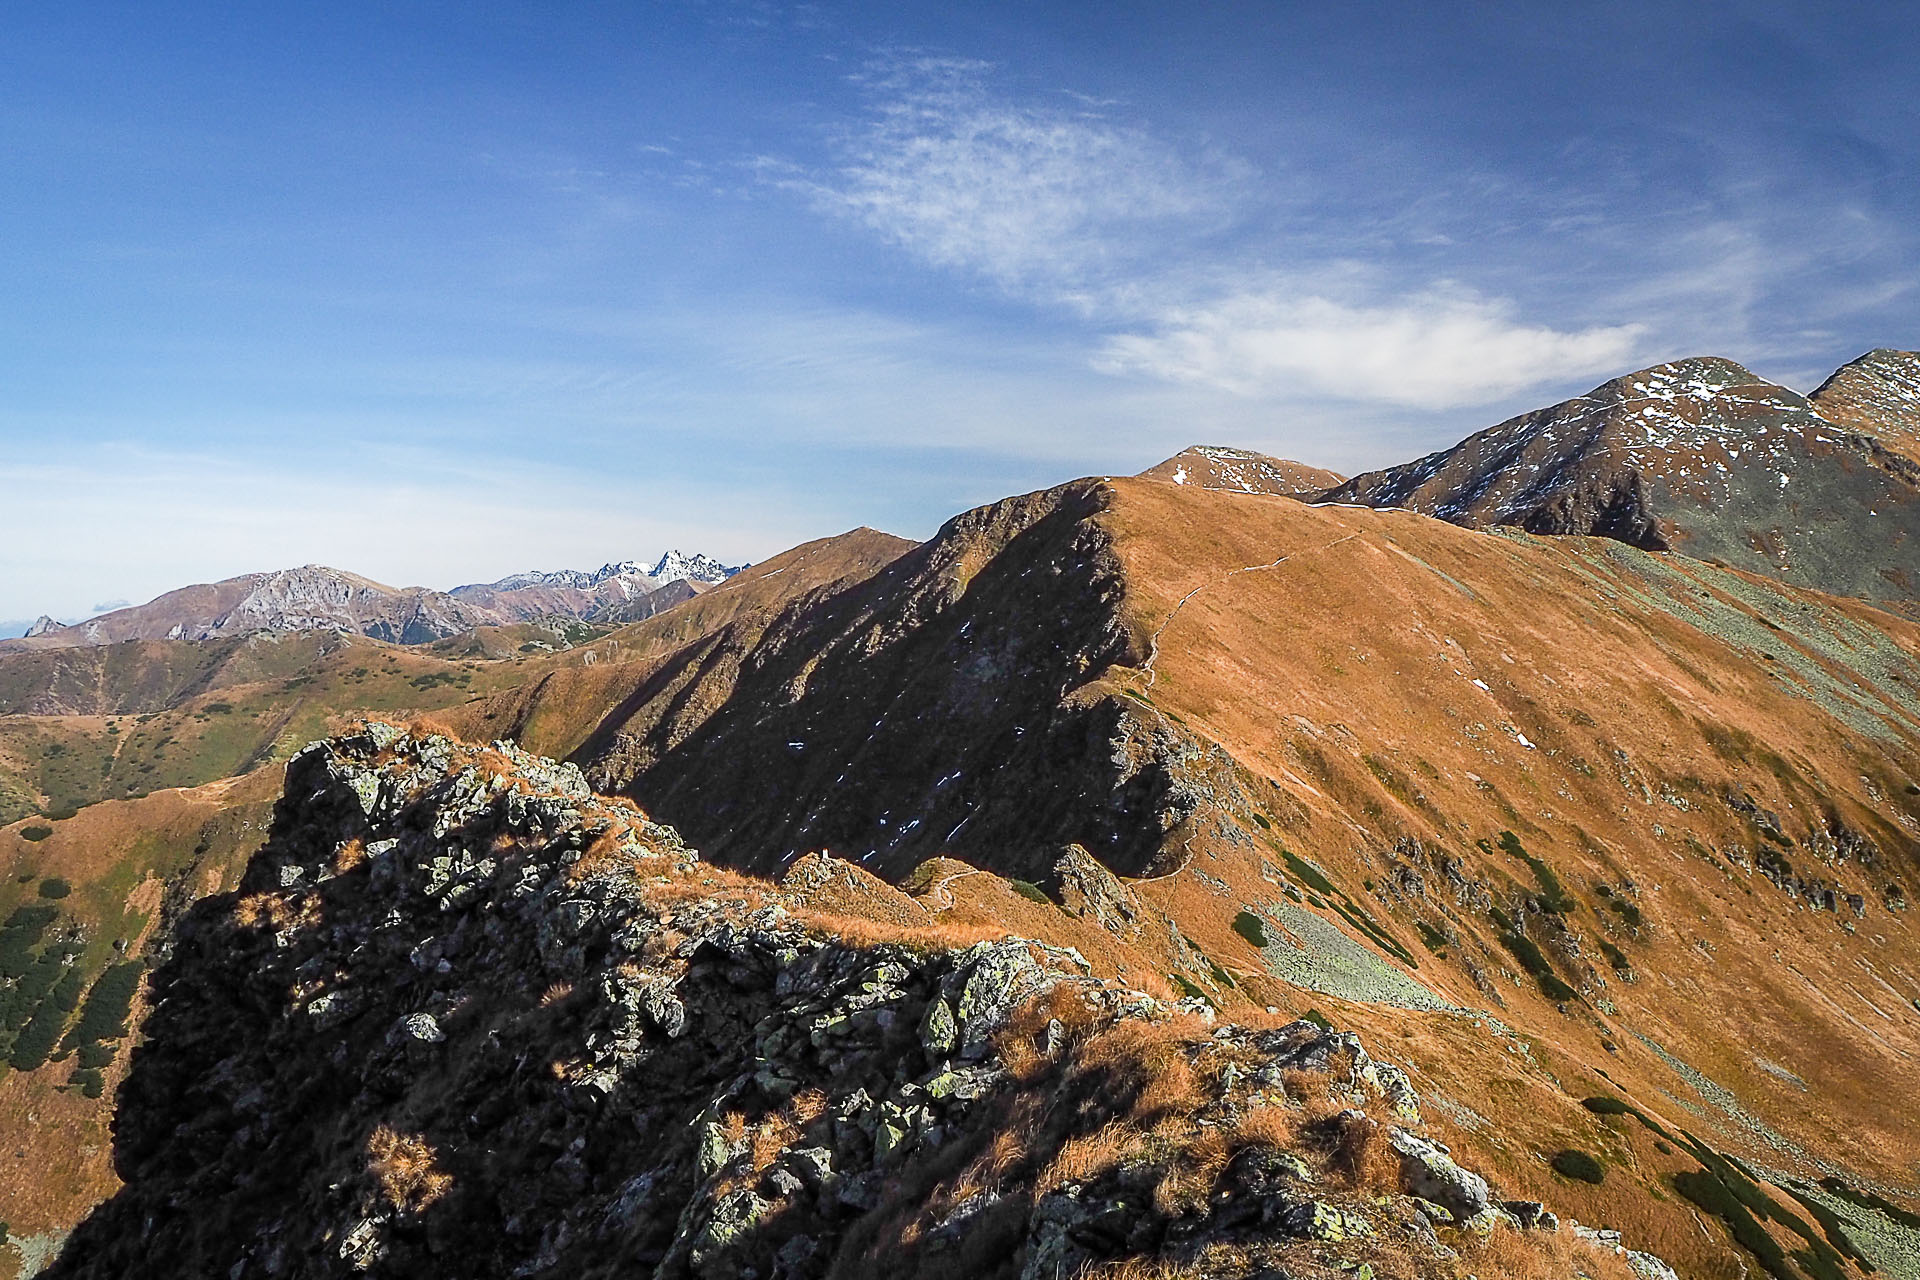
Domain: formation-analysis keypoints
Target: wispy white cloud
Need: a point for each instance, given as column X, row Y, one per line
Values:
column 1439, row 350
column 1151, row 241
column 1037, row 199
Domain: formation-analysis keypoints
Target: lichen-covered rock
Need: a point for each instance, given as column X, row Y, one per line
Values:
column 1318, row 1220
column 1428, row 1170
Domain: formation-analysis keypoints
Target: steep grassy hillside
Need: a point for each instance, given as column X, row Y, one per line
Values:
column 1567, row 818
column 136, row 717
column 89, row 904
column 83, row 724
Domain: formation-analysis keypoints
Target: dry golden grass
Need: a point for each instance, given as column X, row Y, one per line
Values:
column 1267, row 1127
column 1541, row 1255
column 1201, row 1161
column 856, row 931
column 351, row 853
column 555, row 993
column 1362, row 1156
column 1021, row 1042
column 1088, row 1156
column 997, row 1160
column 403, row 1169
column 277, row 911
column 424, row 726
column 774, row 1133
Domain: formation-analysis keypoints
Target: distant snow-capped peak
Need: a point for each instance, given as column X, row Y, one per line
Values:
column 676, row 565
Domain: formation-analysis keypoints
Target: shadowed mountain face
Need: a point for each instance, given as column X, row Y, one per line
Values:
column 1877, row 395
column 932, row 706
column 1698, row 456
column 1210, row 466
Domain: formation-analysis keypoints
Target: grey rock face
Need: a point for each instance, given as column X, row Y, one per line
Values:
column 1428, row 1170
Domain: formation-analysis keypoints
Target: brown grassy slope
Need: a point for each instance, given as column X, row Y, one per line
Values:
column 133, row 865
column 1381, row 693
column 1879, row 394
column 1344, row 667
column 565, row 699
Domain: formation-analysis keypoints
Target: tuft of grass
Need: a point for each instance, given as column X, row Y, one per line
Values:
column 404, row 1169
column 1579, row 1165
column 1031, row 891
column 1252, row 928
column 1313, row 877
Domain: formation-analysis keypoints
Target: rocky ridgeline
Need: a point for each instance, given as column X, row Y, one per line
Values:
column 464, row 1018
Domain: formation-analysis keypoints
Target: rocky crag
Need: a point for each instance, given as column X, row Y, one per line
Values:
column 465, row 1018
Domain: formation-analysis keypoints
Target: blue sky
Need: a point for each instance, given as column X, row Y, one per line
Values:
column 440, row 292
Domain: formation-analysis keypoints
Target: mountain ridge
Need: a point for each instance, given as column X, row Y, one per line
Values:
column 1699, row 456
column 318, row 597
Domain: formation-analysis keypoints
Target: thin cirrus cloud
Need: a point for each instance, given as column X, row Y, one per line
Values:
column 1067, row 207
column 1041, row 201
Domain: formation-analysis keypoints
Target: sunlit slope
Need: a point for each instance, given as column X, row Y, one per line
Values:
column 1596, row 793
column 1709, row 781
column 558, row 704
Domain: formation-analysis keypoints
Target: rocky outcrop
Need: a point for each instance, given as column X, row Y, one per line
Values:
column 464, row 1018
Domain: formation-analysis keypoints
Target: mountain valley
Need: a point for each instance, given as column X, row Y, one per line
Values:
column 1497, row 865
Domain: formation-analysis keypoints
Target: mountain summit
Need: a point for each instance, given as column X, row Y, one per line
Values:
column 1212, row 466
column 1878, row 394
column 310, row 598
column 317, row 598
column 1699, row 456
column 677, row 566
